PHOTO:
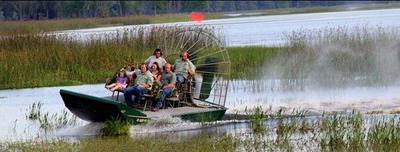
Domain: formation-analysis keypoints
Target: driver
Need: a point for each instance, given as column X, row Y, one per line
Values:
column 183, row 68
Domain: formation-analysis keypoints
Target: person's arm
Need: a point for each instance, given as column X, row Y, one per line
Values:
column 173, row 66
column 147, row 61
column 172, row 84
column 191, row 69
column 149, row 82
column 164, row 62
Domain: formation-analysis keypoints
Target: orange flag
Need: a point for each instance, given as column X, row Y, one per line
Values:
column 196, row 16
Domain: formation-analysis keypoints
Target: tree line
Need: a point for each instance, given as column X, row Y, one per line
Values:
column 38, row 10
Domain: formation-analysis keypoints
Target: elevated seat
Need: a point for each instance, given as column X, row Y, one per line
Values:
column 148, row 99
column 113, row 92
column 171, row 101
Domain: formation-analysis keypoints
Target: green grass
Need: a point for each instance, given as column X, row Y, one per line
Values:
column 329, row 132
column 203, row 143
column 115, row 127
column 336, row 57
column 34, row 60
column 49, row 122
column 248, row 62
column 50, row 61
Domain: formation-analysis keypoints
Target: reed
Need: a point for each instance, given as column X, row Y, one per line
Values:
column 338, row 57
column 36, row 60
column 256, row 118
column 115, row 127
column 248, row 62
column 198, row 143
column 48, row 122
column 34, row 111
column 333, row 131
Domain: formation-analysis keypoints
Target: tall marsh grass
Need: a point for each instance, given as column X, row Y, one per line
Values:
column 47, row 121
column 35, row 60
column 248, row 62
column 333, row 131
column 200, row 143
column 337, row 57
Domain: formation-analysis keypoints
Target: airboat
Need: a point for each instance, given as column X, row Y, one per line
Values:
column 200, row 99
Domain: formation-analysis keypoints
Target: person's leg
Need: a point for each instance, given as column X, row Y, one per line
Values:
column 110, row 86
column 165, row 93
column 128, row 95
column 136, row 92
column 179, row 80
column 140, row 92
column 116, row 87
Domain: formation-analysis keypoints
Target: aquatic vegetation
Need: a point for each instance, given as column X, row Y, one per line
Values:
column 201, row 143
column 331, row 131
column 247, row 62
column 338, row 57
column 47, row 121
column 385, row 131
column 257, row 119
column 55, row 121
column 34, row 111
column 115, row 127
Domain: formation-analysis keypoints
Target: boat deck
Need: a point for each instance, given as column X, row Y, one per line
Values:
column 170, row 111
column 174, row 111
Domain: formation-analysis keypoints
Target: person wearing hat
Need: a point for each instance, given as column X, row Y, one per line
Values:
column 156, row 57
column 121, row 81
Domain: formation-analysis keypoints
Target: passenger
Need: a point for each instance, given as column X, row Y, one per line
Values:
column 168, row 80
column 156, row 57
column 143, row 83
column 129, row 69
column 131, row 80
column 156, row 71
column 183, row 67
column 121, row 81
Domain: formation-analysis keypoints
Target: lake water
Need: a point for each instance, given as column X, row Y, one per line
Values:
column 270, row 30
column 262, row 30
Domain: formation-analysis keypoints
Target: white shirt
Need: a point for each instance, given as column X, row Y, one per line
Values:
column 161, row 61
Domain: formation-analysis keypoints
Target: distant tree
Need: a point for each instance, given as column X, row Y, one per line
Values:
column 194, row 6
column 159, row 7
column 73, row 8
column 18, row 7
column 282, row 4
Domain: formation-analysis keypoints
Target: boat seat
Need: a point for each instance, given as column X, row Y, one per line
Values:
column 109, row 81
column 113, row 92
column 148, row 99
column 171, row 101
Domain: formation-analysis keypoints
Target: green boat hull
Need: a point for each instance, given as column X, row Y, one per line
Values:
column 96, row 109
